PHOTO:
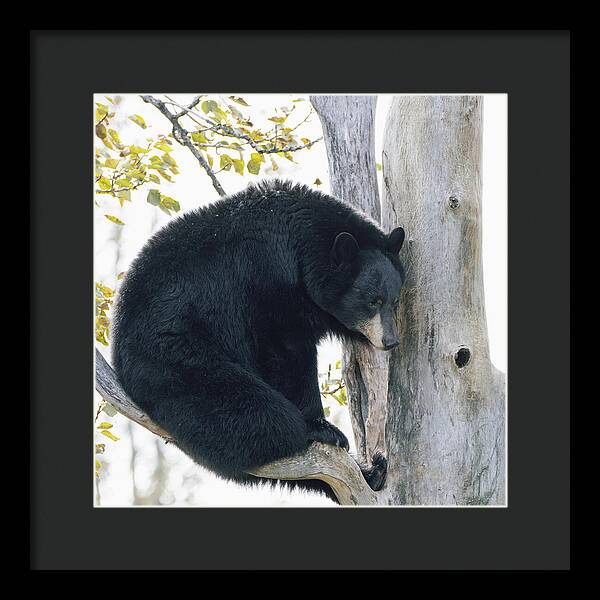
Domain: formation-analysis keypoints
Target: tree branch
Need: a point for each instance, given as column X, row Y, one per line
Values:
column 230, row 132
column 182, row 136
column 320, row 461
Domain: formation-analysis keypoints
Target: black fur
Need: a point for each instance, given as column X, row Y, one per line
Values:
column 218, row 318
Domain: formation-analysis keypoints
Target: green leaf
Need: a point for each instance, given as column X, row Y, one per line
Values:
column 209, row 106
column 101, row 131
column 169, row 203
column 378, row 166
column 226, row 162
column 114, row 219
column 326, row 411
column 153, row 197
column 138, row 121
column 253, row 167
column 154, row 178
column 257, row 157
column 109, row 409
column 124, row 196
column 278, row 119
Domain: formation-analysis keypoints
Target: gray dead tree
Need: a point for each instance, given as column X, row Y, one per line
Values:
column 436, row 406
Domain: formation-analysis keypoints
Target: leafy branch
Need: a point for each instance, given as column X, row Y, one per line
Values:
column 222, row 122
column 183, row 137
column 122, row 168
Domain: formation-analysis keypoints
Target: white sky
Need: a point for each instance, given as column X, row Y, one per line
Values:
column 192, row 188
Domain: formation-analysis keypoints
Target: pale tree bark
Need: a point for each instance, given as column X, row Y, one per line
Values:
column 436, row 406
column 349, row 132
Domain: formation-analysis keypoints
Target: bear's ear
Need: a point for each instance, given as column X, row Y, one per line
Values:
column 345, row 248
column 394, row 241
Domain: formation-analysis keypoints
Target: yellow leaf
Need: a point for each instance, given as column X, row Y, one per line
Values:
column 137, row 149
column 104, row 425
column 317, row 182
column 239, row 100
column 104, row 183
column 138, row 121
column 115, row 136
column 114, row 219
column 238, row 165
column 110, row 436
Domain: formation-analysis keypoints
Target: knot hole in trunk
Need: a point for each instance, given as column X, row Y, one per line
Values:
column 462, row 357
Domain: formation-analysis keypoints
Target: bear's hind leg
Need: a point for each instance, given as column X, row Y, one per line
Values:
column 229, row 420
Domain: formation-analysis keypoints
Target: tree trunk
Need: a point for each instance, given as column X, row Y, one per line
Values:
column 435, row 406
column 349, row 133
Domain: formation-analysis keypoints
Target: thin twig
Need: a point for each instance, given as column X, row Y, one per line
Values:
column 182, row 136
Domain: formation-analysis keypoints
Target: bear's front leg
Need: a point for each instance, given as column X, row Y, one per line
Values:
column 296, row 377
column 320, row 430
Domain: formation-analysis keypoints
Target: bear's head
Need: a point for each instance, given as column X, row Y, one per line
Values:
column 364, row 293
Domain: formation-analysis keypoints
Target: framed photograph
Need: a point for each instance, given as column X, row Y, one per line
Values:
column 330, row 293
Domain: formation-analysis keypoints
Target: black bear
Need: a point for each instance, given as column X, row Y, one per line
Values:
column 218, row 320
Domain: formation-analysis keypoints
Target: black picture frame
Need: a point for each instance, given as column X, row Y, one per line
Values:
column 67, row 67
